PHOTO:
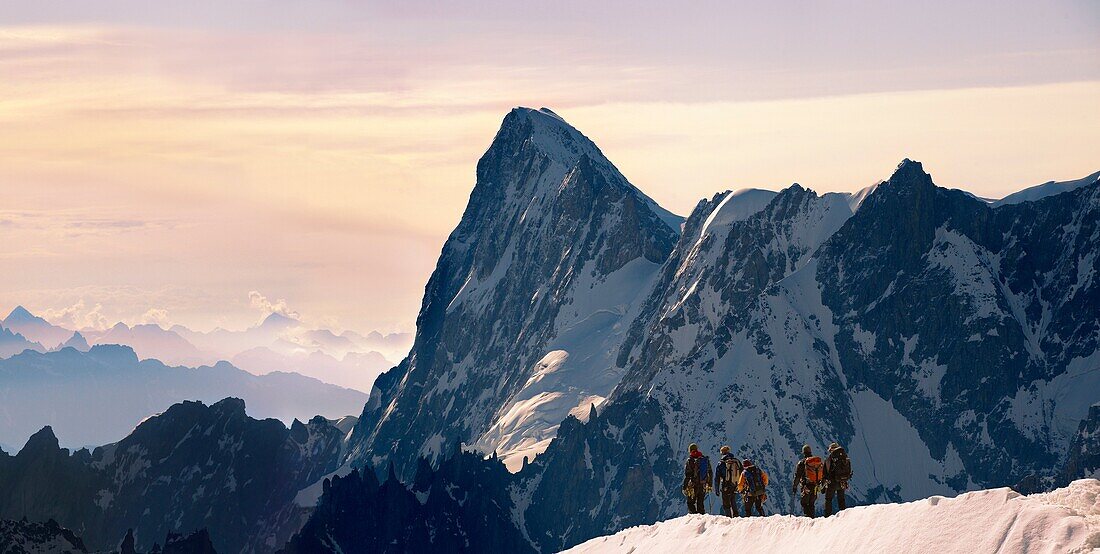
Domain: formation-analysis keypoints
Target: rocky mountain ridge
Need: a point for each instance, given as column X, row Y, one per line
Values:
column 192, row 467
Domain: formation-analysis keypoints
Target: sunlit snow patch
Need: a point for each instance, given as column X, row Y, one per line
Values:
column 998, row 520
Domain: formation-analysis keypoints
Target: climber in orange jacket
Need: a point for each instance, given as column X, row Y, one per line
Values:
column 752, row 485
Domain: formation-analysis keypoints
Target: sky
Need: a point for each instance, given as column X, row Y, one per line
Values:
column 206, row 163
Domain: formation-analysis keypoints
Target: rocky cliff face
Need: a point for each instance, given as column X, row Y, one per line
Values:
column 24, row 537
column 977, row 324
column 527, row 302
column 192, row 467
column 722, row 352
column 1083, row 458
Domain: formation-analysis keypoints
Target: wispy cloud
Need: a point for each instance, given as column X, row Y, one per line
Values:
column 78, row 316
column 74, row 220
column 156, row 316
column 268, row 307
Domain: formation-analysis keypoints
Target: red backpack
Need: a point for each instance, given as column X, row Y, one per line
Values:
column 815, row 470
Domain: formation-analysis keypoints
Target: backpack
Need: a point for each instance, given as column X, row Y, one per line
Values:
column 698, row 470
column 840, row 467
column 703, row 469
column 815, row 470
column 754, row 481
column 732, row 470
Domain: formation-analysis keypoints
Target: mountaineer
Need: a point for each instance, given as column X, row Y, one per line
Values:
column 697, row 475
column 726, row 475
column 752, row 485
column 838, row 471
column 808, row 475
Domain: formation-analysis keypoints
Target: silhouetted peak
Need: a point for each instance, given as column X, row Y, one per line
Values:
column 298, row 431
column 42, row 441
column 230, row 406
column 127, row 544
column 908, row 170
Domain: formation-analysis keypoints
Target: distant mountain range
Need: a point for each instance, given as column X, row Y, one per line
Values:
column 12, row 343
column 35, row 328
column 95, row 397
column 278, row 343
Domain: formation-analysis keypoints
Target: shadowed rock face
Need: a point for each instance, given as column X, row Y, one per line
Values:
column 549, row 222
column 981, row 318
column 463, row 506
column 23, row 537
column 192, row 467
column 1083, row 459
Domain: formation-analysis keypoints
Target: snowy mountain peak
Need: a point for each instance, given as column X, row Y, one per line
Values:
column 550, row 112
column 548, row 133
column 736, row 206
column 545, row 143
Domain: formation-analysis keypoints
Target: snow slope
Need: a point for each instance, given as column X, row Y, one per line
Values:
column 998, row 520
column 1049, row 188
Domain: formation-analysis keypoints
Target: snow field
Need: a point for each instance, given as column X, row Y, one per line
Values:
column 1066, row 520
